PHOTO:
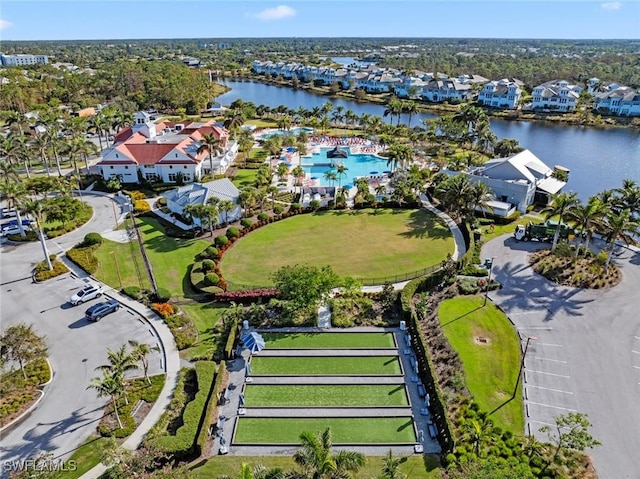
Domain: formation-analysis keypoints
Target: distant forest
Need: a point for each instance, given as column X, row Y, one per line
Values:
column 139, row 70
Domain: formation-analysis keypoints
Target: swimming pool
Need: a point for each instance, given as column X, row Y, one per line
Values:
column 364, row 164
column 293, row 131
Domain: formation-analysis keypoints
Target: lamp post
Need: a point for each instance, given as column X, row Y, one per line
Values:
column 486, row 290
column 524, row 355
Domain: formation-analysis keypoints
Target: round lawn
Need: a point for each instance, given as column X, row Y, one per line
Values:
column 367, row 244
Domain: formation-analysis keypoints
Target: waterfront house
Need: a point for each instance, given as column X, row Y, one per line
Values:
column 165, row 151
column 622, row 101
column 517, row 181
column 448, row 89
column 200, row 194
column 557, row 95
column 505, row 93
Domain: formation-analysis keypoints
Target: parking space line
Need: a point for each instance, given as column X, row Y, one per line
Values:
column 548, row 374
column 637, row 337
column 549, row 389
column 553, row 407
column 550, row 344
column 634, row 351
column 542, row 422
column 637, row 367
column 548, row 359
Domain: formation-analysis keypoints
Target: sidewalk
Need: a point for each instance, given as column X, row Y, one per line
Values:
column 171, row 364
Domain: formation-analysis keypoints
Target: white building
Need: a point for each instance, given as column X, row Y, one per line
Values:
column 166, row 151
column 556, row 95
column 22, row 60
column 441, row 90
column 623, row 101
column 200, row 193
column 505, row 93
column 518, row 180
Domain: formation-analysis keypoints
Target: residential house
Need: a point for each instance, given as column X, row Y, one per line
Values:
column 448, row 89
column 20, row 60
column 200, row 194
column 517, row 181
column 505, row 93
column 557, row 95
column 165, row 151
column 623, row 101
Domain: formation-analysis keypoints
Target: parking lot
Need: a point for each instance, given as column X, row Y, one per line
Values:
column 69, row 412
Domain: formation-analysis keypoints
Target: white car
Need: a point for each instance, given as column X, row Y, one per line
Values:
column 13, row 230
column 87, row 293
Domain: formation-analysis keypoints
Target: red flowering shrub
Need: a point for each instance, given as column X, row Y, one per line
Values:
column 164, row 309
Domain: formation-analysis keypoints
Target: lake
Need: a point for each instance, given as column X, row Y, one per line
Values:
column 598, row 159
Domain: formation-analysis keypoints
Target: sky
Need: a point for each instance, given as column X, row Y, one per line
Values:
column 138, row 19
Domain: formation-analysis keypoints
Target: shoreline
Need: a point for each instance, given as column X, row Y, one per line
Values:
column 609, row 122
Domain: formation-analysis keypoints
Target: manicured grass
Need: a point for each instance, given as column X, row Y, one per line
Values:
column 170, row 257
column 328, row 340
column 368, row 244
column 85, row 457
column 415, row 467
column 359, row 430
column 325, row 395
column 204, row 317
column 113, row 256
column 490, row 369
column 325, row 366
column 262, row 123
column 499, row 230
column 245, row 178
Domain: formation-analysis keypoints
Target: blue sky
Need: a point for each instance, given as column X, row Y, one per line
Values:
column 125, row 19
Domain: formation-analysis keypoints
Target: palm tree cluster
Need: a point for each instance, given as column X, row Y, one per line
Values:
column 613, row 214
column 48, row 138
column 462, row 197
column 112, row 383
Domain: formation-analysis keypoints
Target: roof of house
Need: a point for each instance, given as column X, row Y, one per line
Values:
column 199, row 193
column 524, row 165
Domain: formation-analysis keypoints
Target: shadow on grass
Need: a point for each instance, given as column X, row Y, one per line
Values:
column 398, row 389
column 407, row 424
column 424, row 224
column 502, row 405
column 461, row 316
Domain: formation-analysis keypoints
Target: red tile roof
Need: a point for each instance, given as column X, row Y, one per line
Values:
column 149, row 153
column 123, row 134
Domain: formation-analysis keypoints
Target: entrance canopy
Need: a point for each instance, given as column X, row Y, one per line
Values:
column 253, row 341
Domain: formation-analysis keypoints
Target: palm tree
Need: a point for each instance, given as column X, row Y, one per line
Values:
column 8, row 172
column 86, row 149
column 620, row 225
column 108, row 386
column 140, row 352
column 394, row 107
column 341, row 171
column 247, row 199
column 331, row 176
column 587, row 218
column 226, row 207
column 506, row 147
column 454, row 193
column 100, row 123
column 399, row 154
column 298, row 173
column 410, row 108
column 13, row 149
column 477, row 432
column 282, row 170
column 73, row 149
column 210, row 144
column 272, row 191
column 40, row 143
column 37, row 209
column 479, row 198
column 391, row 467
column 561, row 205
column 212, row 212
column 120, row 361
column 316, row 456
column 15, row 194
column 193, row 210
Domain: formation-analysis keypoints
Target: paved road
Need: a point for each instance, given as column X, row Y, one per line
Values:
column 586, row 355
column 69, row 412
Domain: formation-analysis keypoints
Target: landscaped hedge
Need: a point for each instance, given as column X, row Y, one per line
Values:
column 233, row 232
column 197, row 278
column 212, row 404
column 247, row 295
column 42, row 272
column 84, row 257
column 134, row 292
column 221, row 241
column 183, row 330
column 211, row 279
column 91, row 239
column 141, row 206
column 184, row 444
column 231, row 341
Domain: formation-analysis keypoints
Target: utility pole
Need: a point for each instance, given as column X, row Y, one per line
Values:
column 524, row 355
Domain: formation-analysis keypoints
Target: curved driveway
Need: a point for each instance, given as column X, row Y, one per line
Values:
column 586, row 353
column 69, row 412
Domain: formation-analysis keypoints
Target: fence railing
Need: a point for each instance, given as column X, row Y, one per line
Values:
column 398, row 278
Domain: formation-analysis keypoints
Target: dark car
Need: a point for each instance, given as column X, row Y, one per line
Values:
column 99, row 310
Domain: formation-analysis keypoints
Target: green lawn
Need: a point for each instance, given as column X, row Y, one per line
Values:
column 321, row 366
column 415, row 467
column 125, row 257
column 85, row 457
column 325, row 395
column 245, row 177
column 358, row 430
column 490, row 369
column 170, row 257
column 328, row 340
column 368, row 244
column 499, row 230
column 204, row 317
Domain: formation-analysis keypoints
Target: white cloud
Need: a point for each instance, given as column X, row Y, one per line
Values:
column 277, row 13
column 611, row 6
column 4, row 24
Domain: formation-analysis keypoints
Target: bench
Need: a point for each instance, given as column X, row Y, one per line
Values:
column 421, row 390
column 433, row 431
